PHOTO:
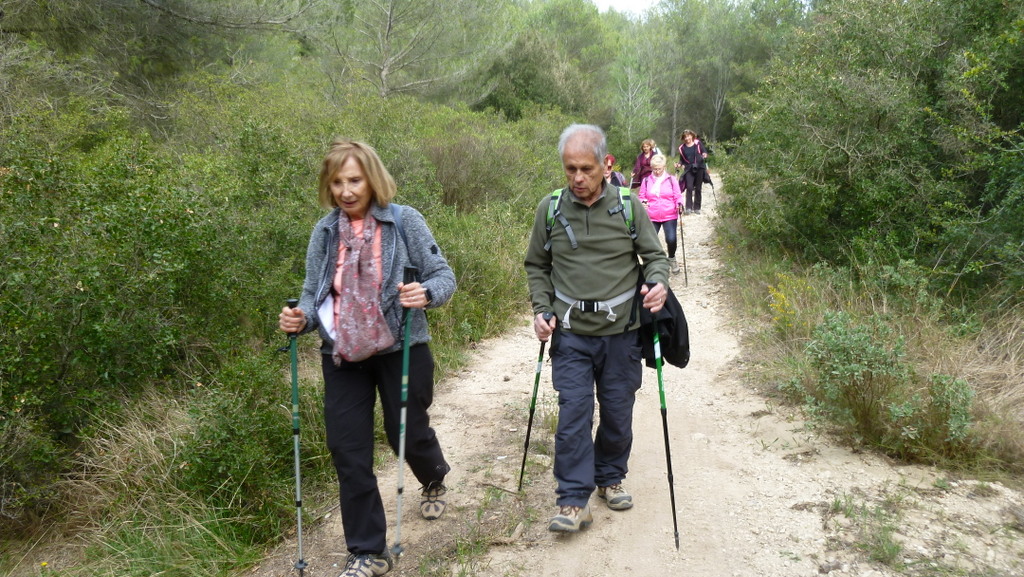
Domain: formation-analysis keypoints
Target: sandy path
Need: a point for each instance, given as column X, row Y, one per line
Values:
column 753, row 487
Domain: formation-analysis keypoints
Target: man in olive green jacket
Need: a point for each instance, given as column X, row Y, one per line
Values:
column 583, row 272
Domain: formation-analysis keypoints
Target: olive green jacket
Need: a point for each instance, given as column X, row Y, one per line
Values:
column 602, row 266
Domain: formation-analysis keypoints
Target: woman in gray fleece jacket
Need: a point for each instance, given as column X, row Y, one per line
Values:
column 353, row 297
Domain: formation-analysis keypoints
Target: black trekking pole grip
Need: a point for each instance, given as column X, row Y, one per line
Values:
column 411, row 274
column 292, row 303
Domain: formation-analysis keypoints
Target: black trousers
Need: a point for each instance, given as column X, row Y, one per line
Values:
column 350, row 392
column 691, row 181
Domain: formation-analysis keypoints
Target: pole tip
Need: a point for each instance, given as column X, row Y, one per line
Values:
column 396, row 551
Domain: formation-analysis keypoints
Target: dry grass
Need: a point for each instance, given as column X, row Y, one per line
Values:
column 992, row 361
column 119, row 473
column 788, row 303
column 994, row 364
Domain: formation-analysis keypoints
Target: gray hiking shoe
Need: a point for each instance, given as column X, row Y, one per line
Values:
column 618, row 498
column 673, row 265
column 571, row 519
column 432, row 506
column 367, row 565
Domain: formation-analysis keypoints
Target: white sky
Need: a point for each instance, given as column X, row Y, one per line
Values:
column 634, row 7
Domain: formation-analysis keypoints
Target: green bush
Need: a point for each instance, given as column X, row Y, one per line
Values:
column 238, row 453
column 29, row 459
column 863, row 384
column 909, row 158
column 86, row 311
column 948, row 416
column 860, row 370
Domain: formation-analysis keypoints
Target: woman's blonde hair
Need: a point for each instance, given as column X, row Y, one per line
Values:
column 658, row 161
column 377, row 176
column 650, row 142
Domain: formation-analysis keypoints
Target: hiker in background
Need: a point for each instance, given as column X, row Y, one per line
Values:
column 610, row 174
column 660, row 194
column 589, row 280
column 353, row 297
column 691, row 160
column 642, row 165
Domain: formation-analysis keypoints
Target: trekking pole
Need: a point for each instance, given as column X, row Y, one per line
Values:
column 682, row 247
column 664, row 425
column 533, row 405
column 409, row 276
column 293, row 349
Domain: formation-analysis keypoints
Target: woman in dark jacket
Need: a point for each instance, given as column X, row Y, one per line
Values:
column 691, row 160
column 353, row 297
column 642, row 166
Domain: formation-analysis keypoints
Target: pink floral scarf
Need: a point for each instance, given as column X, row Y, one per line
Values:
column 361, row 327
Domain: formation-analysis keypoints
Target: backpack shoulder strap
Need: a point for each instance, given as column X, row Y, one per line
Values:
column 396, row 213
column 555, row 214
column 625, row 207
column 556, row 198
column 626, row 202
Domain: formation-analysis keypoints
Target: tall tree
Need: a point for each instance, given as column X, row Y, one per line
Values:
column 135, row 50
column 636, row 106
column 415, row 46
column 717, row 51
column 560, row 57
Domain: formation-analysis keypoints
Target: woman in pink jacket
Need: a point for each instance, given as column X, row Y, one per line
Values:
column 660, row 193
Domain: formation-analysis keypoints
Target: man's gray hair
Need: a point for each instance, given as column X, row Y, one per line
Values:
column 594, row 137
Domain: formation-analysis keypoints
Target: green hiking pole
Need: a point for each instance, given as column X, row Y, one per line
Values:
column 664, row 425
column 533, row 405
column 293, row 349
column 409, row 276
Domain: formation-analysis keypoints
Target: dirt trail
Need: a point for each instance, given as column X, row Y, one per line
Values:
column 754, row 488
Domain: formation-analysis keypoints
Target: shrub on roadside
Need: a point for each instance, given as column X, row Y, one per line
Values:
column 238, row 453
column 863, row 384
column 860, row 371
column 29, row 458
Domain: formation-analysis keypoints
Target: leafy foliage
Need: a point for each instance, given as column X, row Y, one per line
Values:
column 138, row 264
column 874, row 136
column 865, row 385
column 860, row 370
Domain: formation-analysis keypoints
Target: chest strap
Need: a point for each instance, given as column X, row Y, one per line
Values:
column 593, row 306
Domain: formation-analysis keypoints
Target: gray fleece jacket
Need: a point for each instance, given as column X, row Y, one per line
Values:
column 422, row 252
